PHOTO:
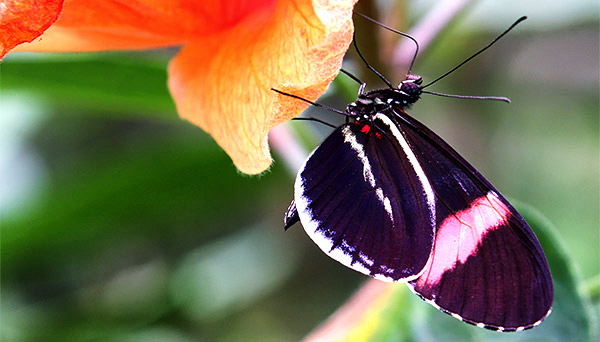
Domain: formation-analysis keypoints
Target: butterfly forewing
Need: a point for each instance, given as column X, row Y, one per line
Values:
column 487, row 267
column 363, row 198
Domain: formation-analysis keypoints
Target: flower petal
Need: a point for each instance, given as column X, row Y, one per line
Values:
column 223, row 82
column 24, row 20
column 95, row 25
column 361, row 317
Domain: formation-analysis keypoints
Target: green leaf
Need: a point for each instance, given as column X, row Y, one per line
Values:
column 167, row 189
column 105, row 83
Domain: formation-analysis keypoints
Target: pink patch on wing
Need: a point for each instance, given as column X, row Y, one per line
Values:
column 459, row 236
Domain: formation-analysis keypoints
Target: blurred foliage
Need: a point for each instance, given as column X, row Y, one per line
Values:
column 137, row 82
column 121, row 222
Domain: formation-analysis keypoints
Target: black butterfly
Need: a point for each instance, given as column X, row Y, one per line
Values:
column 386, row 196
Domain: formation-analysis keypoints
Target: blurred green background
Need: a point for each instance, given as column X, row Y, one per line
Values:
column 122, row 222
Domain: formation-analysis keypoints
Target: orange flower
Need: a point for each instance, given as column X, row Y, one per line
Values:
column 24, row 20
column 233, row 52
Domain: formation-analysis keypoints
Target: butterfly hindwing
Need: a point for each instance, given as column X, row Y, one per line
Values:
column 487, row 267
column 362, row 197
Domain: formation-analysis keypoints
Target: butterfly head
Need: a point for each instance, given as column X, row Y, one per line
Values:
column 384, row 101
column 409, row 90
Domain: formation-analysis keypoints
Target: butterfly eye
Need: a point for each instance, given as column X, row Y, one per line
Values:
column 410, row 88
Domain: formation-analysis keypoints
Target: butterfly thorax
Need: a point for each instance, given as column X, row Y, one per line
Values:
column 384, row 100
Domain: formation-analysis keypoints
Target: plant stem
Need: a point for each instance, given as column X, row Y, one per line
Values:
column 425, row 31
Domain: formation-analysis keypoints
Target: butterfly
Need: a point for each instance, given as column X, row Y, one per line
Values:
column 386, row 196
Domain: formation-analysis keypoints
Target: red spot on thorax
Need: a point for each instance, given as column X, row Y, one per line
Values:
column 365, row 129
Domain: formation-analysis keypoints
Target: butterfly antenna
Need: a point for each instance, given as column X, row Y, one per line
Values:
column 354, row 78
column 469, row 97
column 369, row 65
column 412, row 62
column 477, row 53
